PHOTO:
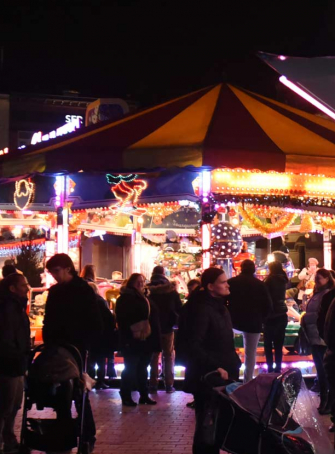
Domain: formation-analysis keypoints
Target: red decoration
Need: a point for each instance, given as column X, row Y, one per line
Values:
column 232, row 212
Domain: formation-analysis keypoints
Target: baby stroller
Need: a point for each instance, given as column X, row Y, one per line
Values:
column 271, row 414
column 54, row 379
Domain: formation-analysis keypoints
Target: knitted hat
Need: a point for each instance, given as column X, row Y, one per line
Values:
column 210, row 275
column 312, row 261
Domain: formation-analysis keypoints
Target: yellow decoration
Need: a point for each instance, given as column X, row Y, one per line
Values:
column 24, row 188
column 307, row 223
column 160, row 211
column 276, row 226
column 241, row 181
column 327, row 223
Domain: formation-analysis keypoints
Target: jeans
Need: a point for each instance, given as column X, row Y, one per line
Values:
column 11, row 394
column 250, row 341
column 318, row 353
column 135, row 373
column 168, row 356
column 274, row 336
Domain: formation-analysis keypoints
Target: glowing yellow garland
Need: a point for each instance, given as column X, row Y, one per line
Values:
column 328, row 223
column 278, row 226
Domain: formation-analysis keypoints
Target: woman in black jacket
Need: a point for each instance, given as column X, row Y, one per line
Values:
column 207, row 340
column 276, row 322
column 139, row 331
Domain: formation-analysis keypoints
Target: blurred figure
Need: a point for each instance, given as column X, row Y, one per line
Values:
column 249, row 304
column 193, row 285
column 14, row 352
column 307, row 275
column 167, row 300
column 324, row 282
column 138, row 325
column 276, row 322
column 89, row 273
column 104, row 351
column 8, row 269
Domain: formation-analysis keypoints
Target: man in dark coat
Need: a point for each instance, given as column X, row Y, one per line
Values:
column 207, row 340
column 72, row 316
column 249, row 304
column 108, row 345
column 163, row 293
column 14, row 351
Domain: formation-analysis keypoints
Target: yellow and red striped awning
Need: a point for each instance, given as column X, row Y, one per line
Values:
column 221, row 126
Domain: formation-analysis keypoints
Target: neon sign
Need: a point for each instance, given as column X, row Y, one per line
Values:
column 38, row 137
column 126, row 189
column 24, row 194
column 71, row 118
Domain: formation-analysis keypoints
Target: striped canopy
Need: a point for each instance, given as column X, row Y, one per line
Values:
column 221, row 126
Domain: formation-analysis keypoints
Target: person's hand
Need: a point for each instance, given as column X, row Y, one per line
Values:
column 223, row 373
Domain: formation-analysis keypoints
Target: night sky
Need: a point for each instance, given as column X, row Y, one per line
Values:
column 154, row 50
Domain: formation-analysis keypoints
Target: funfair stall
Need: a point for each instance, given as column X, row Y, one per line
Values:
column 221, row 127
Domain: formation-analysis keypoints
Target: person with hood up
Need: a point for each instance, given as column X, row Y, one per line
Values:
column 207, row 340
column 14, row 351
column 249, row 304
column 163, row 293
column 276, row 322
column 139, row 332
column 324, row 282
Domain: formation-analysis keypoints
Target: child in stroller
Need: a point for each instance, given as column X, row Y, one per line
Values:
column 54, row 379
column 271, row 414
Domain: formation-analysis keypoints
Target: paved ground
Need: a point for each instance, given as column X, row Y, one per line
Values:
column 165, row 428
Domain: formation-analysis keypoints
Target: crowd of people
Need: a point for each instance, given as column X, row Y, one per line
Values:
column 146, row 319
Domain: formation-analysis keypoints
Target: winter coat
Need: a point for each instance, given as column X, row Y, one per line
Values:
column 72, row 315
column 109, row 340
column 168, row 303
column 133, row 307
column 309, row 320
column 249, row 303
column 14, row 335
column 206, row 333
column 276, row 285
column 325, row 305
column 329, row 329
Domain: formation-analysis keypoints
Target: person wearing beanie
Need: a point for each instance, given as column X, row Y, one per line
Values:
column 164, row 295
column 306, row 275
column 206, row 340
column 249, row 304
column 72, row 316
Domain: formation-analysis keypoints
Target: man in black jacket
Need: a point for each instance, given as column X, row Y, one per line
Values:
column 249, row 304
column 167, row 300
column 72, row 316
column 14, row 351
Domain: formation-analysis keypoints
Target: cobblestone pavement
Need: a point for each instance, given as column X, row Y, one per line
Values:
column 161, row 429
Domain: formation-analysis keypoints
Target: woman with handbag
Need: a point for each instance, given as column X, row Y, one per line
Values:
column 324, row 282
column 139, row 331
